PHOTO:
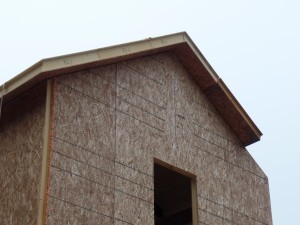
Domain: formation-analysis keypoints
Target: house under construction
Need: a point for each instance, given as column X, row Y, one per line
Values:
column 140, row 133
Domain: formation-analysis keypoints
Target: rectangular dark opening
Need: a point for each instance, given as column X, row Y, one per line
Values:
column 172, row 197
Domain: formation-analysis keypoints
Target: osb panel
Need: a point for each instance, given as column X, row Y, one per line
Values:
column 83, row 148
column 135, row 190
column 106, row 72
column 141, row 85
column 95, row 87
column 140, row 114
column 119, row 222
column 175, row 156
column 210, row 218
column 213, row 208
column 83, row 121
column 82, row 192
column 134, row 135
column 133, row 210
column 63, row 213
column 211, row 150
column 82, row 170
column 82, row 155
column 134, row 176
column 21, row 138
column 214, row 181
column 112, row 121
column 148, row 67
column 141, row 103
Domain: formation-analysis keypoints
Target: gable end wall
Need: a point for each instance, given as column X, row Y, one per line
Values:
column 109, row 125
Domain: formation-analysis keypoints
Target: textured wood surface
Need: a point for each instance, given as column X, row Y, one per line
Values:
column 21, row 141
column 110, row 124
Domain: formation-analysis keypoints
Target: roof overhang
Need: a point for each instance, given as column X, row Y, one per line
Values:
column 179, row 43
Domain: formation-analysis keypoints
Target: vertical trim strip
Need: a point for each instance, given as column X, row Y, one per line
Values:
column 194, row 201
column 2, row 97
column 43, row 195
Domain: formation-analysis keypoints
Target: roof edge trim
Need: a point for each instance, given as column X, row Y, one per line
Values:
column 240, row 109
column 22, row 78
column 180, row 42
column 201, row 57
column 86, row 57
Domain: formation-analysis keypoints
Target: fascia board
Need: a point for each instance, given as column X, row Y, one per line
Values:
column 92, row 56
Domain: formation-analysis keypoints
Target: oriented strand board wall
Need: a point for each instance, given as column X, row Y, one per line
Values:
column 110, row 123
column 21, row 140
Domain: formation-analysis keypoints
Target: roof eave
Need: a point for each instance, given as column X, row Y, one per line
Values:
column 75, row 60
column 183, row 47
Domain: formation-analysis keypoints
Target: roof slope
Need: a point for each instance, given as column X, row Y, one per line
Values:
column 179, row 43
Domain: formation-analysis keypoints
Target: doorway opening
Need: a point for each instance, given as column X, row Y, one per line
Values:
column 173, row 196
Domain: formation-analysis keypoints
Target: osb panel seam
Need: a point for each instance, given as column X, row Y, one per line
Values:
column 130, row 167
column 152, row 114
column 142, row 121
column 136, row 99
column 82, row 177
column 75, row 215
column 130, row 80
column 157, row 59
column 142, row 66
column 104, row 185
column 227, row 208
column 133, row 175
column 136, row 197
column 79, row 161
column 92, row 180
column 70, row 203
column 104, row 78
column 90, row 209
column 214, row 133
column 138, row 95
column 102, row 156
column 82, row 148
column 218, row 216
column 132, row 92
column 236, row 165
column 86, row 194
column 96, row 100
column 82, row 170
column 233, row 155
column 143, row 74
column 204, row 106
column 88, row 96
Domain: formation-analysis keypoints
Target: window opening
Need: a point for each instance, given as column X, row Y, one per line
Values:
column 172, row 197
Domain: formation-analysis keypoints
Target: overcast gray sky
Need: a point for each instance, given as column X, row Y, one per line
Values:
column 252, row 44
